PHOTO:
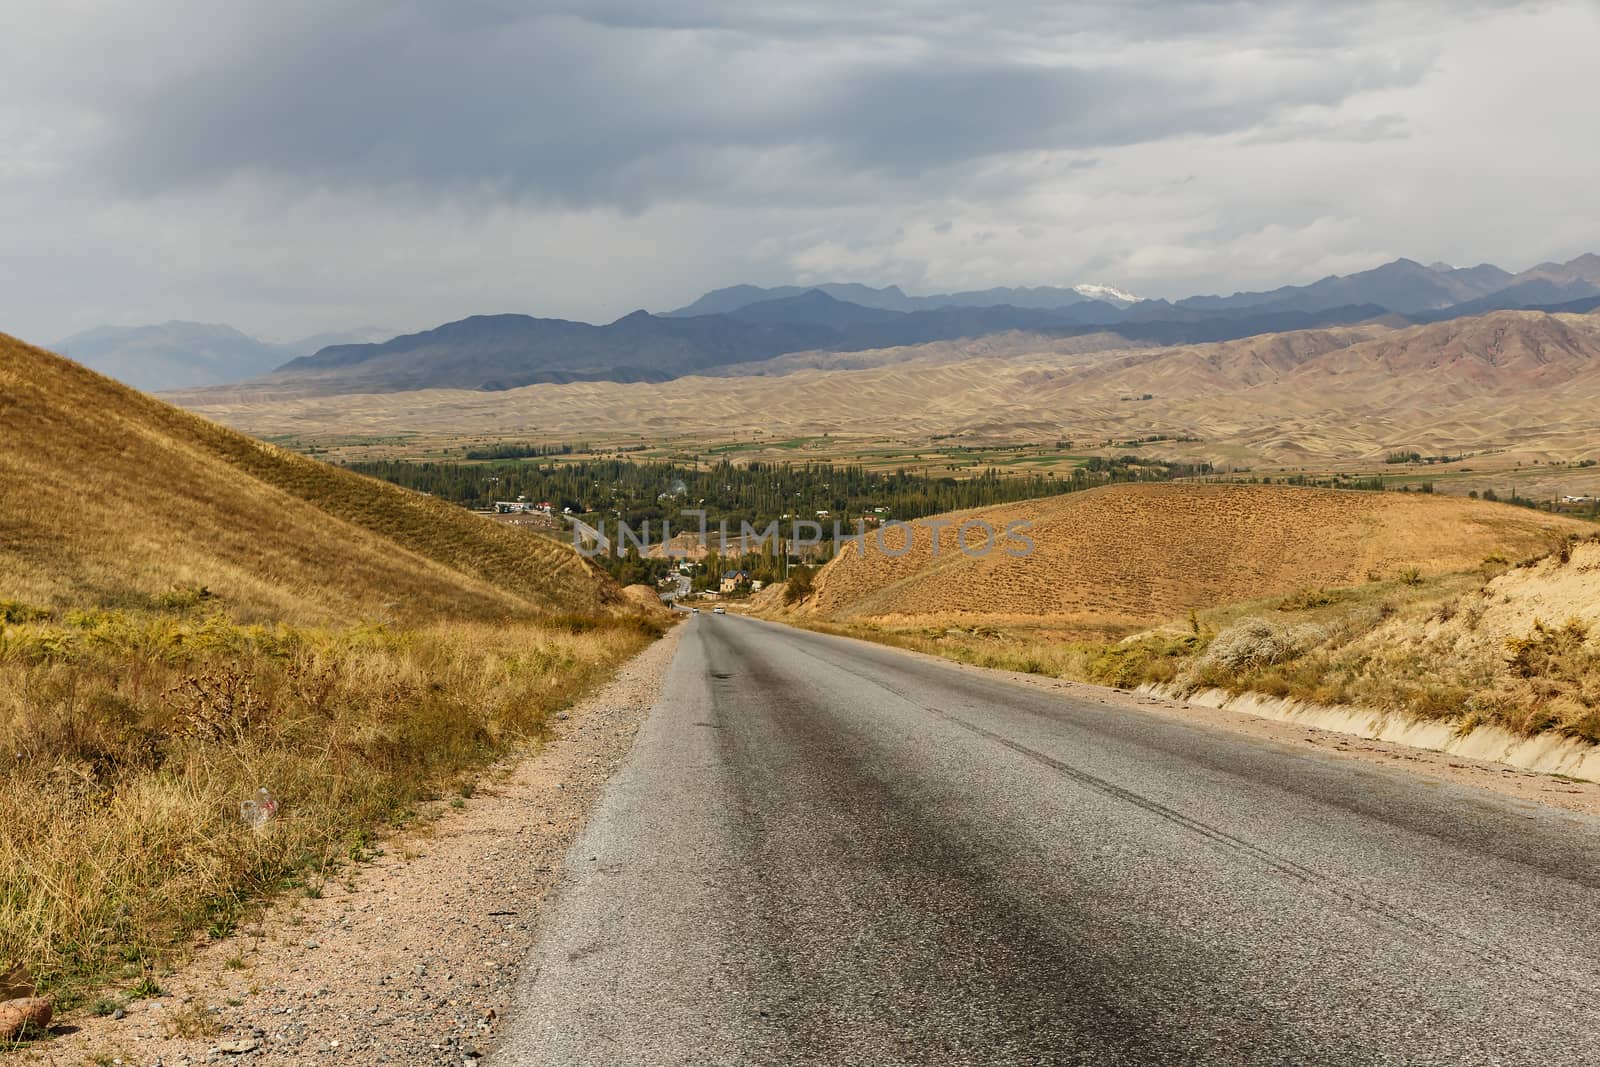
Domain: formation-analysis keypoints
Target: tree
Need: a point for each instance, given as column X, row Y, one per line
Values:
column 800, row 585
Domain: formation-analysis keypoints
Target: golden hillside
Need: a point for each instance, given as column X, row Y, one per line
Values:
column 1134, row 554
column 111, row 498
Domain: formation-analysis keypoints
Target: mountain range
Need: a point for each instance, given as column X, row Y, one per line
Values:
column 1518, row 382
column 179, row 355
column 745, row 325
column 892, row 298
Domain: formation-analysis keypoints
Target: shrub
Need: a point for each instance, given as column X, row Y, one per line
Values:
column 1150, row 659
column 1256, row 643
column 800, row 585
column 183, row 597
column 1306, row 599
column 1546, row 651
column 12, row 611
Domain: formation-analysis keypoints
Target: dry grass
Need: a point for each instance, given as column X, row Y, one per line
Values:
column 1394, row 601
column 128, row 741
column 1475, row 648
column 187, row 615
column 1130, row 556
column 113, row 498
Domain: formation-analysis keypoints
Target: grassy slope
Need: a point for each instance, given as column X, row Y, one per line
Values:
column 1514, row 645
column 361, row 648
column 1127, row 556
column 113, row 497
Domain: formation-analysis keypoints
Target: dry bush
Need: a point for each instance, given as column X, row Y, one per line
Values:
column 1307, row 599
column 1256, row 643
column 1555, row 681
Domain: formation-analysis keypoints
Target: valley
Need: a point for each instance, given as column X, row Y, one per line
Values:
column 1504, row 397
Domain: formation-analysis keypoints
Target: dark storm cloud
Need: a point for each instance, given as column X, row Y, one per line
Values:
column 626, row 103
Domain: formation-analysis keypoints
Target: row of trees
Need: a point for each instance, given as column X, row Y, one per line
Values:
column 758, row 493
column 604, row 492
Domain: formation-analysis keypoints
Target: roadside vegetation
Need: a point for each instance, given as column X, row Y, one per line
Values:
column 129, row 740
column 187, row 616
column 1516, row 646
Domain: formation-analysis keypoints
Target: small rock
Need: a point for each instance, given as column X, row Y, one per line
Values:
column 312, row 944
column 22, row 1015
column 118, row 1014
column 240, row 1047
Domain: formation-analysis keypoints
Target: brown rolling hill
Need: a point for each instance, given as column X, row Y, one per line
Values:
column 1507, row 380
column 109, row 497
column 1131, row 555
column 1505, row 354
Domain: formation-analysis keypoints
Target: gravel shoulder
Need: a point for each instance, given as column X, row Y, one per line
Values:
column 408, row 959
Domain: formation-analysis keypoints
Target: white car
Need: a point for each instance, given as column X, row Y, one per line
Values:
column 695, row 611
column 719, row 611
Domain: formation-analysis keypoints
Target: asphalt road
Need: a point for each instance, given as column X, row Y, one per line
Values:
column 821, row 851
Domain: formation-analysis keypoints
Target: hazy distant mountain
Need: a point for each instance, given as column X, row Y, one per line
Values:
column 505, row 351
column 816, row 307
column 1405, row 286
column 497, row 352
column 171, row 355
column 891, row 298
column 1536, row 293
column 1586, row 268
column 361, row 335
column 178, row 355
column 734, row 297
column 1409, row 288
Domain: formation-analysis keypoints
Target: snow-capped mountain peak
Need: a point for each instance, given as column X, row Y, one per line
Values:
column 1109, row 293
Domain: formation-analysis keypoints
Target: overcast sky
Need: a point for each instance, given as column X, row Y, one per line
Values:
column 299, row 165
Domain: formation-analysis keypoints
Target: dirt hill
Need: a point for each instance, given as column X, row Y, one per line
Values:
column 1130, row 555
column 109, row 497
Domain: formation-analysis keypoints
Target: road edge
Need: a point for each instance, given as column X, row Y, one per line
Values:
column 1532, row 787
column 412, row 957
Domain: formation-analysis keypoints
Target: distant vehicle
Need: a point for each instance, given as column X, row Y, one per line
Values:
column 719, row 611
column 695, row 610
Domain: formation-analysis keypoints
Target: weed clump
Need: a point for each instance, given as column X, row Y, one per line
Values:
column 1256, row 643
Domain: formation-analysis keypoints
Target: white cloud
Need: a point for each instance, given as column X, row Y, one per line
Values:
column 299, row 166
